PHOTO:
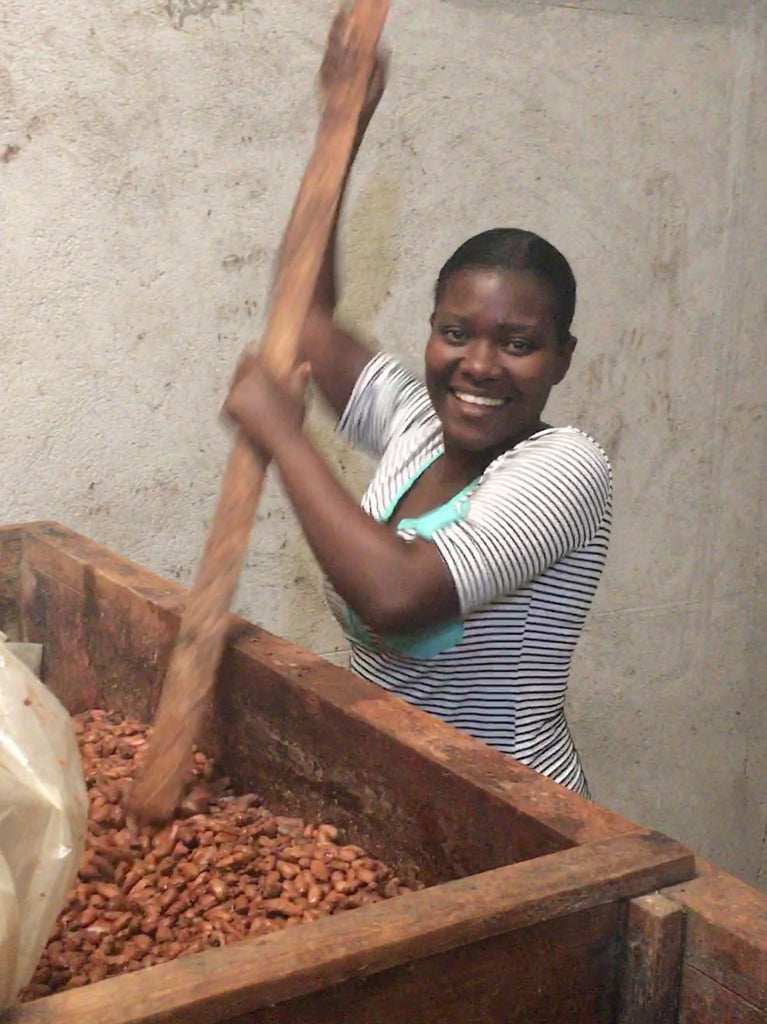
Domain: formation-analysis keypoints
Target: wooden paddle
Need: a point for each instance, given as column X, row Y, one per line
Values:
column 192, row 670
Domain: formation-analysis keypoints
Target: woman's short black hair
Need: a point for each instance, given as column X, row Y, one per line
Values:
column 516, row 249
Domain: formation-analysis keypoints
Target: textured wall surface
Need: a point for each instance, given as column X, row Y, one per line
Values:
column 149, row 156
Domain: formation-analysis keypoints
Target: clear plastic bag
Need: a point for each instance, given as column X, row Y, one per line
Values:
column 43, row 815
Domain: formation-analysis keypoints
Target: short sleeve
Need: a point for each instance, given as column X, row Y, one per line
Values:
column 536, row 504
column 386, row 400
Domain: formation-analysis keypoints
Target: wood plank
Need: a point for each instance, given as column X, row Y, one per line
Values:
column 652, row 962
column 726, row 933
column 10, row 576
column 106, row 625
column 70, row 558
column 103, row 647
column 559, row 971
column 256, row 973
column 705, row 1001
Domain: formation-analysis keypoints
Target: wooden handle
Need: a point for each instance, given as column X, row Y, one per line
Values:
column 195, row 659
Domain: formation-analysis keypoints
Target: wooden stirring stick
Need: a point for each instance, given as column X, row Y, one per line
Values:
column 192, row 670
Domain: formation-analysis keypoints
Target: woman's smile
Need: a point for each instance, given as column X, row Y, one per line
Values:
column 477, row 401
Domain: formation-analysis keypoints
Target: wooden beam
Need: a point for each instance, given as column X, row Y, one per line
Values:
column 652, row 961
column 705, row 1001
column 215, row 986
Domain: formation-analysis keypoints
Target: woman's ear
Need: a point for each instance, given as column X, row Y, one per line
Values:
column 564, row 358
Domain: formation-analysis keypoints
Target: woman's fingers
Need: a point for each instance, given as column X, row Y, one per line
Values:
column 243, row 367
column 298, row 381
column 261, row 404
column 336, row 55
column 334, row 52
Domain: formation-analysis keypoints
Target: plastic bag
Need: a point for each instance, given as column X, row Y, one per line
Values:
column 43, row 814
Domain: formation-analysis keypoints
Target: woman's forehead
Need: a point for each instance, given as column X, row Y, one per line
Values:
column 508, row 295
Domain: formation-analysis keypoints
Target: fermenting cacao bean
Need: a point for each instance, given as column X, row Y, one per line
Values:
column 224, row 869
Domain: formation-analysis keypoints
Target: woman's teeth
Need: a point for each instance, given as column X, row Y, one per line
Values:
column 465, row 396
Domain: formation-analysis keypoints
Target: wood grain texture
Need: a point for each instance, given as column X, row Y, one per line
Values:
column 68, row 557
column 555, row 972
column 652, row 961
column 726, row 933
column 192, row 669
column 107, row 626
column 254, row 974
column 705, row 1001
column 434, row 801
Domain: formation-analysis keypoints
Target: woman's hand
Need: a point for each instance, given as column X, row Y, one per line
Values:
column 267, row 410
column 333, row 67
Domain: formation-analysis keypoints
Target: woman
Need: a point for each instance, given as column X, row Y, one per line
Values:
column 464, row 579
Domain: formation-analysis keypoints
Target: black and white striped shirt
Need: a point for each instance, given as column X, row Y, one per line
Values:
column 525, row 545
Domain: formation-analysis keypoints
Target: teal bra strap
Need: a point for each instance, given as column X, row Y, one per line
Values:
column 453, row 511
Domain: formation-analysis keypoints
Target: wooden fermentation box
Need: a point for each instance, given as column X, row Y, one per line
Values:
column 527, row 912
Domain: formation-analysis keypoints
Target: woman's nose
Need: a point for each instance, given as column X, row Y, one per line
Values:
column 480, row 359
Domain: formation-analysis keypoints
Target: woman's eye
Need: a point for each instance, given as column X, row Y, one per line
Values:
column 454, row 334
column 517, row 345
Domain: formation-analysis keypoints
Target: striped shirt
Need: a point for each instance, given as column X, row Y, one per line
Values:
column 525, row 545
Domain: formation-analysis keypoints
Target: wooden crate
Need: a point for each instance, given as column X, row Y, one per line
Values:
column 524, row 915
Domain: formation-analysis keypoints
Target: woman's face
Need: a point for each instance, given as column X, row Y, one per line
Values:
column 493, row 357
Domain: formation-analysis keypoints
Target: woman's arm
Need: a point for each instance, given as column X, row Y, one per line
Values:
column 392, row 584
column 550, row 498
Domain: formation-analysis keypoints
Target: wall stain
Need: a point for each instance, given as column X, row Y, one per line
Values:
column 257, row 256
column 631, row 385
column 372, row 248
column 597, row 376
column 179, row 10
column 7, row 92
column 11, row 150
column 667, row 227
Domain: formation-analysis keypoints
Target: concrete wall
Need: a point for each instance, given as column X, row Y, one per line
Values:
column 149, row 156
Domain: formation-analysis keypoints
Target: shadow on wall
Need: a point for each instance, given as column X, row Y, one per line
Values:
column 369, row 251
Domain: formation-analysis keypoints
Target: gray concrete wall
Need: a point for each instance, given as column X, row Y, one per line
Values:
column 149, row 156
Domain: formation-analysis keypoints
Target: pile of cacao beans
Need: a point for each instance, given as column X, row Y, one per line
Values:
column 224, row 869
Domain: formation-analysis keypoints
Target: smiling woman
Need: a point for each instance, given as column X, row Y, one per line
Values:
column 494, row 352
column 464, row 580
